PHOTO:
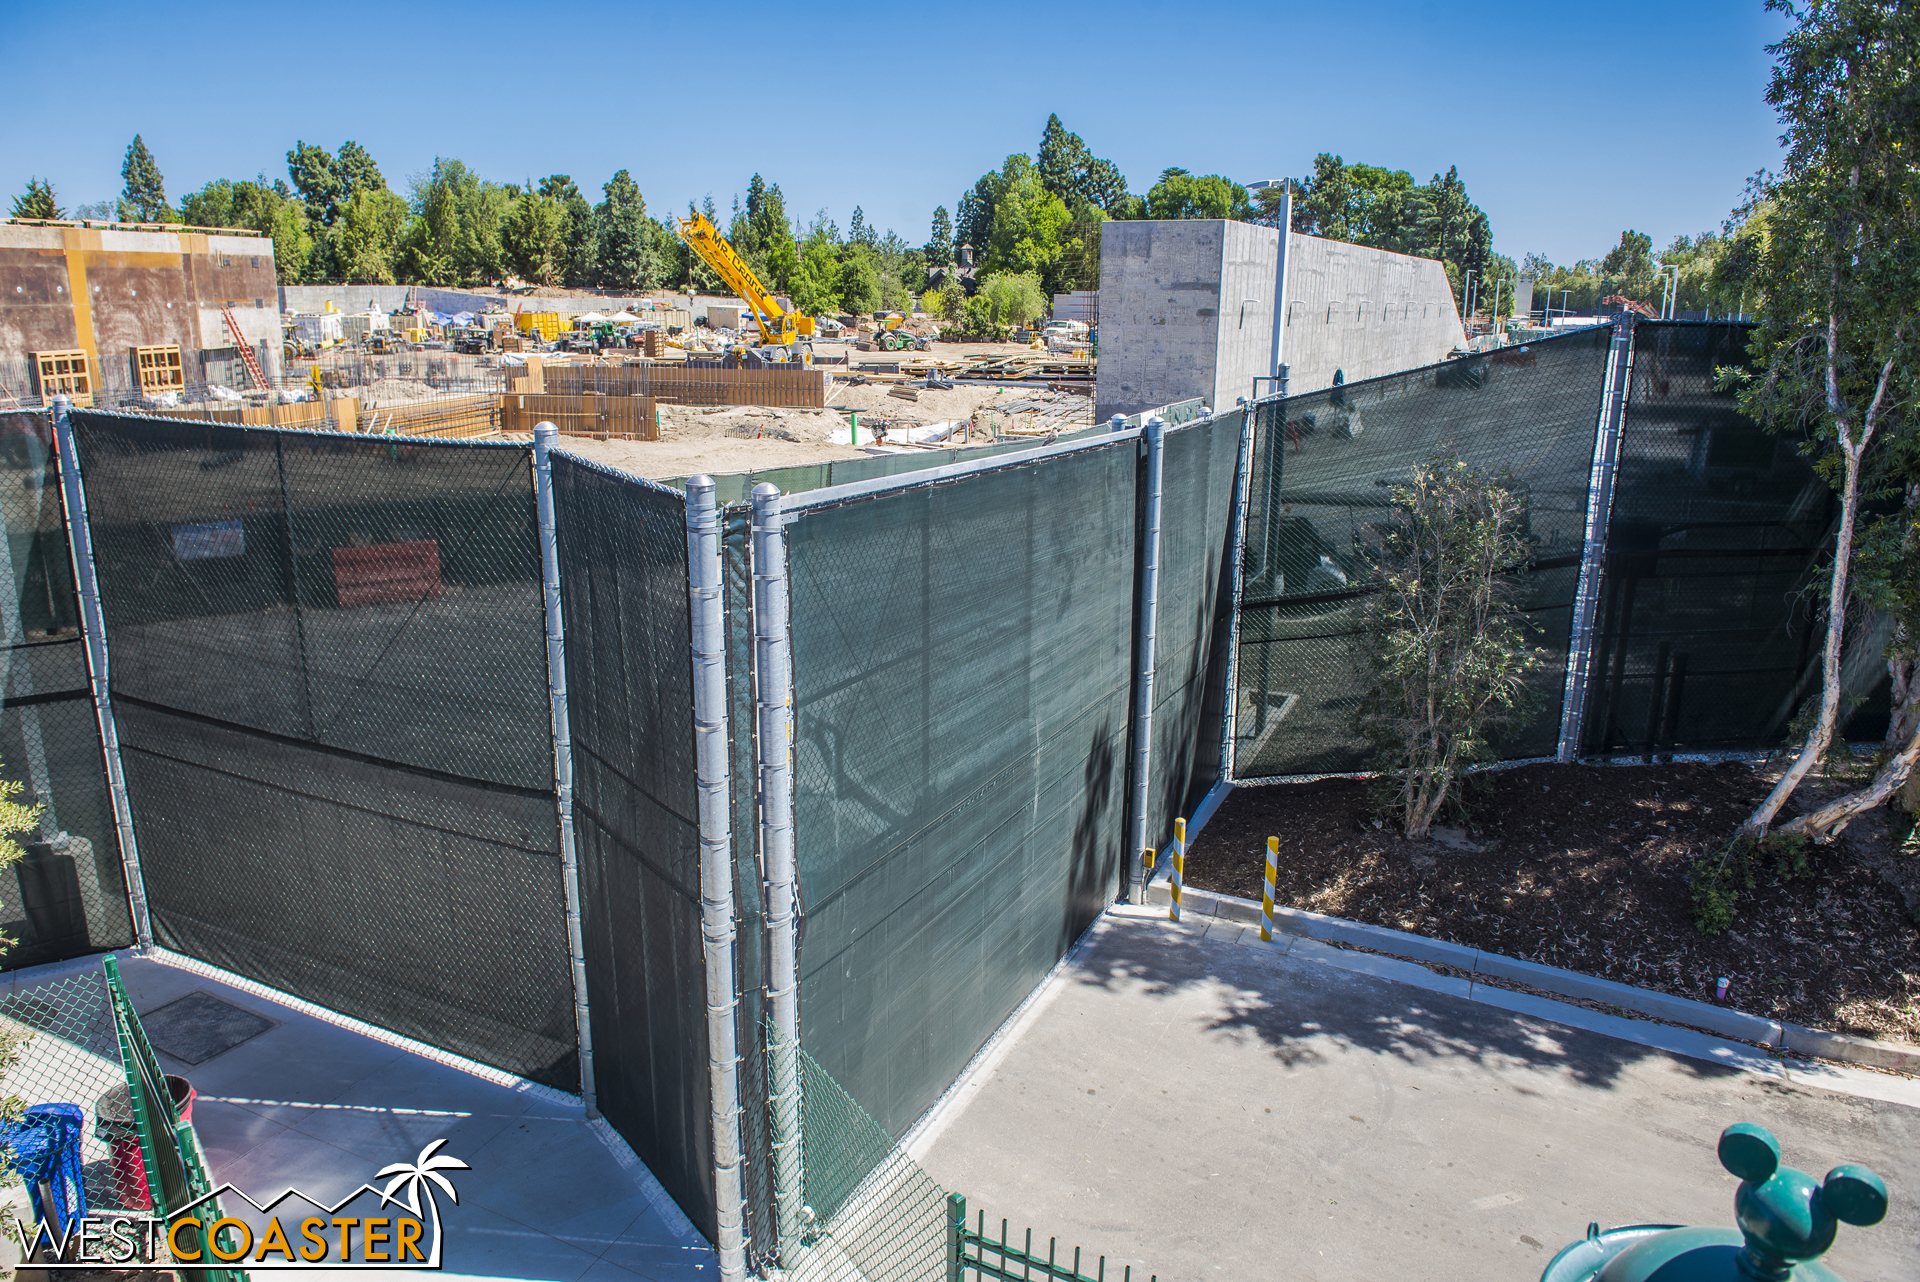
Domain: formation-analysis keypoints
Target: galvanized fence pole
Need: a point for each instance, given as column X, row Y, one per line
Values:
column 1237, row 549
column 544, row 435
column 718, row 923
column 80, row 545
column 1586, row 599
column 1155, row 435
column 773, row 707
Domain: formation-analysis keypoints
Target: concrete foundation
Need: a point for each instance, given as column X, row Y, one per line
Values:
column 1187, row 309
column 107, row 292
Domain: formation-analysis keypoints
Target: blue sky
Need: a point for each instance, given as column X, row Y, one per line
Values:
column 1567, row 122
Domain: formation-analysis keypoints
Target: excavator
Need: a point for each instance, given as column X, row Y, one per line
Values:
column 781, row 331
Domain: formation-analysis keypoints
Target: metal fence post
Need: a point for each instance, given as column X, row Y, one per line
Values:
column 773, row 707
column 717, row 921
column 544, row 435
column 1237, row 549
column 73, row 497
column 1606, row 457
column 1155, row 435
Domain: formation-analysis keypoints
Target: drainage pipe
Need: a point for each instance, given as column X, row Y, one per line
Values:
column 773, row 709
column 1606, row 460
column 544, row 435
column 717, row 920
column 1155, row 435
column 80, row 545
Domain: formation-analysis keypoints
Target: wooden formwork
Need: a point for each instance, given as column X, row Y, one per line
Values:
column 309, row 414
column 796, row 388
column 607, row 417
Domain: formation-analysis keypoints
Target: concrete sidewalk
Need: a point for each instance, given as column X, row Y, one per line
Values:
column 314, row 1105
column 1198, row 1104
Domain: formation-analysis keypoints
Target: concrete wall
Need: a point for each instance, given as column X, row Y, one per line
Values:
column 1363, row 311
column 391, row 298
column 1186, row 309
column 108, row 292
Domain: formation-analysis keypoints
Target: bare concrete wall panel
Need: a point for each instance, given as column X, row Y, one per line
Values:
column 1363, row 311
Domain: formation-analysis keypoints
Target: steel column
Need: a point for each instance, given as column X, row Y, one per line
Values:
column 773, row 708
column 80, row 544
column 1155, row 436
column 1606, row 459
column 544, row 435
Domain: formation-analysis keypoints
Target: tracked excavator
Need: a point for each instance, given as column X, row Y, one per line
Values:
column 783, row 333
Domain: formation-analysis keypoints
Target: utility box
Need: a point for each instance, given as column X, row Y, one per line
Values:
column 725, row 315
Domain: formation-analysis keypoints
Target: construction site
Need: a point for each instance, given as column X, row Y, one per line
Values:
column 729, row 773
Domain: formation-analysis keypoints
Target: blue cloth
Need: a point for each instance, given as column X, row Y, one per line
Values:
column 46, row 1150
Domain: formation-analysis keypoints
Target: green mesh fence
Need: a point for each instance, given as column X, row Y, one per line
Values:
column 876, row 1216
column 623, row 580
column 1322, row 468
column 1196, row 510
column 1710, row 624
column 329, row 678
column 962, row 663
column 68, row 897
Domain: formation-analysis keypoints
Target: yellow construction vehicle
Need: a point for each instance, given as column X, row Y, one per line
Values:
column 781, row 331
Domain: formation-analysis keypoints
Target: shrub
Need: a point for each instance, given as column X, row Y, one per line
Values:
column 1446, row 654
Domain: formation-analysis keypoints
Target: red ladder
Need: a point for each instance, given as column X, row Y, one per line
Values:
column 246, row 350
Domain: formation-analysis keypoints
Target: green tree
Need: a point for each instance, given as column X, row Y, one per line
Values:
column 1179, row 194
column 327, row 182
column 1447, row 653
column 859, row 285
column 1837, row 270
column 816, row 282
column 1073, row 173
column 143, row 198
column 859, row 233
column 536, row 238
column 37, row 201
column 456, row 236
column 260, row 206
column 940, row 244
column 365, row 237
column 1015, row 298
column 576, row 264
column 1030, row 224
column 626, row 247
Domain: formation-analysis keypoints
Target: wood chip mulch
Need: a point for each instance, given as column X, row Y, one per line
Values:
column 1585, row 868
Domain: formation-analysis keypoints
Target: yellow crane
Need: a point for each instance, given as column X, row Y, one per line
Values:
column 780, row 329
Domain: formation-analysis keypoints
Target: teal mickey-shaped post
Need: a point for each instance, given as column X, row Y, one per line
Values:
column 1787, row 1220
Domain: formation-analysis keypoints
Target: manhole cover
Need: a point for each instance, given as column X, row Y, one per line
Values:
column 199, row 1026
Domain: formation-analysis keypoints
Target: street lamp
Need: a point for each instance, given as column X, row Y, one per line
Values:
column 1670, row 291
column 1466, row 296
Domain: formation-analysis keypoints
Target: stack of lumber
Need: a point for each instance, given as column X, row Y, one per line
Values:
column 627, row 418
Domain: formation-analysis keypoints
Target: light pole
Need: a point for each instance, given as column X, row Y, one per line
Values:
column 1565, row 294
column 1466, row 297
column 1670, row 290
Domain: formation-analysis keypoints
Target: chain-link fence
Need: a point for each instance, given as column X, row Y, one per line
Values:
column 68, row 896
column 623, row 575
column 962, row 695
column 329, row 676
column 1710, row 625
column 1324, row 465
column 59, row 1049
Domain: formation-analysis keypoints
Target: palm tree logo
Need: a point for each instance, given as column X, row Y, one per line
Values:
column 414, row 1178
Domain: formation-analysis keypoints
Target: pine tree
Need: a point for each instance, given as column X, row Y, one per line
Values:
column 940, row 246
column 37, row 202
column 626, row 247
column 144, row 198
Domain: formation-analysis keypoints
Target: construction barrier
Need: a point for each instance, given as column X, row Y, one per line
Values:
column 796, row 388
column 635, row 418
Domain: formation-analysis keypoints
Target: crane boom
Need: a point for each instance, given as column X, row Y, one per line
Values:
column 778, row 326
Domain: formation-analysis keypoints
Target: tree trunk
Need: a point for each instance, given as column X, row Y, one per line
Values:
column 1824, row 824
column 1822, row 734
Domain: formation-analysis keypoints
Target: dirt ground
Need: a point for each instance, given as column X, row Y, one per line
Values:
column 744, row 438
column 1586, row 868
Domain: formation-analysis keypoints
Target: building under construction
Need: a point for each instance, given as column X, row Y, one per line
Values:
column 100, row 309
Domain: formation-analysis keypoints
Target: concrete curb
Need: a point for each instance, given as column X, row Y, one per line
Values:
column 1678, row 1010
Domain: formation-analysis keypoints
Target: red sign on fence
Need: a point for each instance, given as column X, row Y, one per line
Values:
column 387, row 572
